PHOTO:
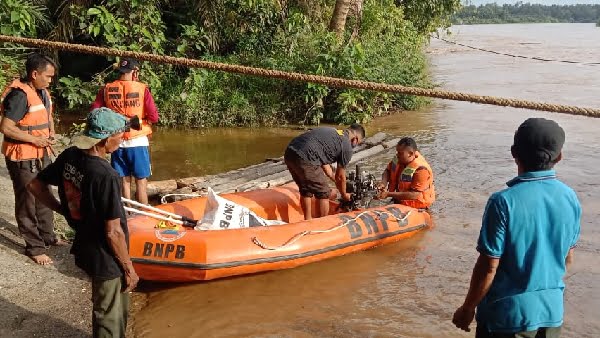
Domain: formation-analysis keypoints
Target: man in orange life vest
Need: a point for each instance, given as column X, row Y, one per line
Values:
column 408, row 177
column 129, row 97
column 28, row 131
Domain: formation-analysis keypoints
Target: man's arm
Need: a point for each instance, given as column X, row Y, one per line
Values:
column 340, row 182
column 328, row 170
column 419, row 182
column 99, row 101
column 42, row 193
column 117, row 243
column 481, row 281
column 52, row 130
column 385, row 178
column 9, row 128
column 150, row 110
column 404, row 195
column 569, row 259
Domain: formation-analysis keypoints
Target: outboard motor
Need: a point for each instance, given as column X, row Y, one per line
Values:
column 361, row 186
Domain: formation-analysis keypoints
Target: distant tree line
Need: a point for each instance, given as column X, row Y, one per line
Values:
column 526, row 12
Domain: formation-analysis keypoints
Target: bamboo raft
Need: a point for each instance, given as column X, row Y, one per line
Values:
column 271, row 173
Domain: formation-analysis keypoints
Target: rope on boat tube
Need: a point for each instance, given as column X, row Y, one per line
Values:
column 299, row 235
column 149, row 214
column 163, row 200
column 293, row 76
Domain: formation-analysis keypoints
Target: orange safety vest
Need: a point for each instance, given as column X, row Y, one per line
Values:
column 36, row 122
column 127, row 99
column 401, row 180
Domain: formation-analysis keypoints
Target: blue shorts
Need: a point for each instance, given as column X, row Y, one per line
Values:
column 134, row 161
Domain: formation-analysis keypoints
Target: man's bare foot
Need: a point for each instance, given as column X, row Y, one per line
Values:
column 42, row 259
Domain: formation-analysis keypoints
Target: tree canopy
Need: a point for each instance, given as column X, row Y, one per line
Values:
column 379, row 40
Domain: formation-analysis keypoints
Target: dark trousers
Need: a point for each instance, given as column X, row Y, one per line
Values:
column 35, row 220
column 111, row 306
column 545, row 332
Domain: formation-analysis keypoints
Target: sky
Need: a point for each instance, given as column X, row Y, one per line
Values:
column 545, row 2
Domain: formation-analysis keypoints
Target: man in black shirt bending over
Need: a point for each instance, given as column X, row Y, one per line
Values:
column 309, row 158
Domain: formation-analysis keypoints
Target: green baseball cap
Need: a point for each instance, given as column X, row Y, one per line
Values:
column 101, row 123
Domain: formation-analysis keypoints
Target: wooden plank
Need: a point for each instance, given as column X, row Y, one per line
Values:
column 160, row 187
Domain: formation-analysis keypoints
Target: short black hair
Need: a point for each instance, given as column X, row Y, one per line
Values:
column 358, row 128
column 532, row 162
column 408, row 142
column 39, row 62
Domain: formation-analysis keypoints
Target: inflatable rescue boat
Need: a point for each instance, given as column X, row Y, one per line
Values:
column 163, row 251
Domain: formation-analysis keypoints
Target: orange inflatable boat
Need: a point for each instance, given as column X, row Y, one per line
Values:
column 180, row 254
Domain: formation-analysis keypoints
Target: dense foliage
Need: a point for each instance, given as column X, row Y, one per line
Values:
column 380, row 40
column 520, row 13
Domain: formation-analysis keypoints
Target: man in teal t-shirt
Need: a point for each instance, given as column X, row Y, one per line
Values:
column 526, row 242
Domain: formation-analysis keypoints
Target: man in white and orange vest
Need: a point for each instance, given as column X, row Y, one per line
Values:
column 28, row 131
column 130, row 98
column 408, row 178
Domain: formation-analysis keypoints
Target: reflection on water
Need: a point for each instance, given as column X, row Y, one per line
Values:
column 410, row 289
column 184, row 153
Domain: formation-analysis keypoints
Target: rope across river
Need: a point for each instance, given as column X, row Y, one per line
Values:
column 293, row 76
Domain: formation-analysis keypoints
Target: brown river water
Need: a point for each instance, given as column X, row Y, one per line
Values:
column 411, row 288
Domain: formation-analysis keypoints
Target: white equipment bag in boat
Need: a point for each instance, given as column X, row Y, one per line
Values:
column 221, row 213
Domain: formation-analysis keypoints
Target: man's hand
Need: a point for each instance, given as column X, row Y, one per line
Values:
column 463, row 317
column 381, row 194
column 346, row 197
column 42, row 142
column 131, row 279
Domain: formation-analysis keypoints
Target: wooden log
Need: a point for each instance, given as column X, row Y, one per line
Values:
column 189, row 181
column 175, row 197
column 375, row 139
column 370, row 141
column 233, row 183
column 245, row 175
column 228, row 176
column 265, row 181
column 160, row 187
column 391, row 143
column 366, row 153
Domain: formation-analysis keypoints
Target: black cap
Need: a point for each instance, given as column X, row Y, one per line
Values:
column 539, row 139
column 127, row 65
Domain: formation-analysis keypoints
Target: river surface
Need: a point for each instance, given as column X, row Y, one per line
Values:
column 409, row 289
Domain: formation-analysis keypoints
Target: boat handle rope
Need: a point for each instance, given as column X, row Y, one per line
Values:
column 173, row 218
column 163, row 199
column 149, row 214
column 299, row 235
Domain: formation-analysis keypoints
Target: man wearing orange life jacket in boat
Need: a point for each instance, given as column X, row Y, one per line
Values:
column 130, row 98
column 309, row 158
column 408, row 178
column 28, row 130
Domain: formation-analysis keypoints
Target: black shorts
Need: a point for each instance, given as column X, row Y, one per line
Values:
column 310, row 178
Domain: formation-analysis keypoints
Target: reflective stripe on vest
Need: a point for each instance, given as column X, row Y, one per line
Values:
column 401, row 180
column 127, row 99
column 36, row 122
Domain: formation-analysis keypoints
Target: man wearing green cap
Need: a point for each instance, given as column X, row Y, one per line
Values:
column 90, row 199
column 527, row 238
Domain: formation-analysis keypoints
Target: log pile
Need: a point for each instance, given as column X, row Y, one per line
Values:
column 272, row 172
